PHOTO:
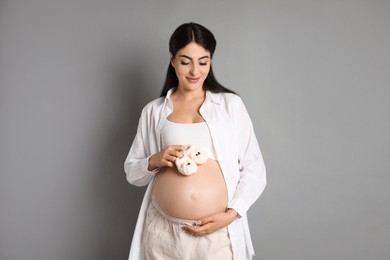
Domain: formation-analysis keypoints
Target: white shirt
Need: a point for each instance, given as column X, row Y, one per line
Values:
column 237, row 151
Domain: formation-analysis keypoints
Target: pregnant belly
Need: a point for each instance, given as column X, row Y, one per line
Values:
column 191, row 197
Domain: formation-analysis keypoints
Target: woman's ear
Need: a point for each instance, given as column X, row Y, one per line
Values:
column 171, row 59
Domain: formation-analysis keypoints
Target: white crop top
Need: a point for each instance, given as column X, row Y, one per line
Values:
column 195, row 134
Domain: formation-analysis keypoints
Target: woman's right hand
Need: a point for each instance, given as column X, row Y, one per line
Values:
column 166, row 157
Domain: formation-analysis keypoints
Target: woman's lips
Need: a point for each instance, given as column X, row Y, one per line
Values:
column 192, row 79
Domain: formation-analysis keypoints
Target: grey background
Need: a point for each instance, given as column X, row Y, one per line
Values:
column 315, row 78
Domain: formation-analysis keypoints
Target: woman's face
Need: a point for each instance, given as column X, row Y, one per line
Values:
column 192, row 65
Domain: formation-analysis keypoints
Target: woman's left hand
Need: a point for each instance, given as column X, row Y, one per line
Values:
column 211, row 223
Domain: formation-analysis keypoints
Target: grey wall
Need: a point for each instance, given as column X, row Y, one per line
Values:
column 74, row 76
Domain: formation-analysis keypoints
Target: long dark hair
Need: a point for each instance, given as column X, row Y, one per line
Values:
column 183, row 35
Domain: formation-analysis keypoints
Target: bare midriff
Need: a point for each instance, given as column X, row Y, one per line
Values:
column 191, row 197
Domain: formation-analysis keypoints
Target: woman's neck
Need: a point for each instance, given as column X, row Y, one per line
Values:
column 188, row 95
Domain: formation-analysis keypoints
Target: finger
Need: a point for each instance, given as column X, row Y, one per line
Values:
column 207, row 229
column 178, row 147
column 205, row 220
column 169, row 164
column 195, row 229
column 172, row 153
column 190, row 229
column 199, row 231
column 171, row 158
column 176, row 154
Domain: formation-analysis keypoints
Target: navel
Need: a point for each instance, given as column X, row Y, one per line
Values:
column 194, row 196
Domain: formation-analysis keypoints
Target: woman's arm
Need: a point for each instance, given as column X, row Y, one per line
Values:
column 144, row 160
column 251, row 164
column 137, row 162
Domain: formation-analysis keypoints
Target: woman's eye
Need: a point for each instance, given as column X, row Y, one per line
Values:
column 203, row 64
column 184, row 63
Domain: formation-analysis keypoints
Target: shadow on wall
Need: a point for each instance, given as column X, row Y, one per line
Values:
column 122, row 201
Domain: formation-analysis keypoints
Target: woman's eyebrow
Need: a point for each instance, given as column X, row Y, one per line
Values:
column 203, row 57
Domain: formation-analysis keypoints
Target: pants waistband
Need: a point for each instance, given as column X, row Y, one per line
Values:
column 170, row 218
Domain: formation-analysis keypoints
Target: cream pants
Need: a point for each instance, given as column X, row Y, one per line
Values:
column 164, row 239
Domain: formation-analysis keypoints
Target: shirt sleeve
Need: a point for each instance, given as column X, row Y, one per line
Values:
column 251, row 164
column 137, row 161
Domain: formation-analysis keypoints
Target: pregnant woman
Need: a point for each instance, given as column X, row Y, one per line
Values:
column 203, row 215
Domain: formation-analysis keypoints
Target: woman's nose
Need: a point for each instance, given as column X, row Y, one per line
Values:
column 194, row 70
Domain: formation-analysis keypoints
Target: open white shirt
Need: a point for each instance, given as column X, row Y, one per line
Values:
column 237, row 151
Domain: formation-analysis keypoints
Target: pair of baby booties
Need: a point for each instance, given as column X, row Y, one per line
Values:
column 188, row 164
